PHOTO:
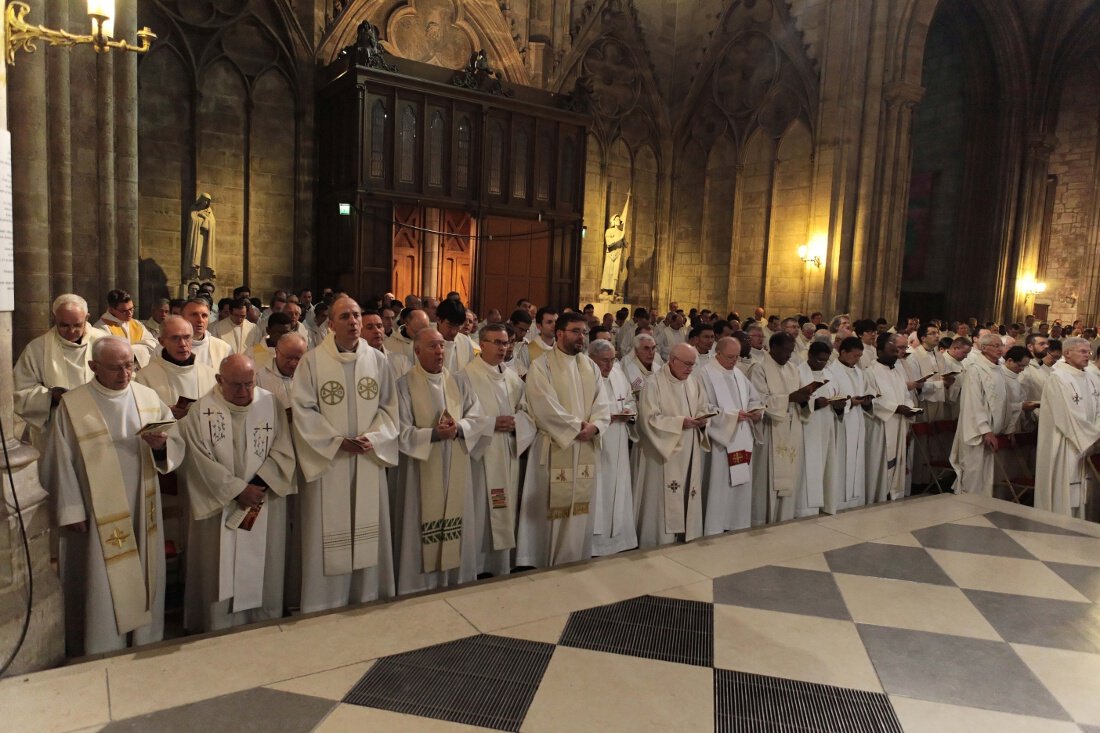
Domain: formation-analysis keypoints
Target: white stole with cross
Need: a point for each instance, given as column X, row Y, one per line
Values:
column 242, row 552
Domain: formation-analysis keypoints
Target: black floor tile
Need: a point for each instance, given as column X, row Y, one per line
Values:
column 1011, row 521
column 750, row 703
column 879, row 560
column 668, row 629
column 791, row 590
column 1040, row 621
column 258, row 710
column 482, row 680
column 965, row 538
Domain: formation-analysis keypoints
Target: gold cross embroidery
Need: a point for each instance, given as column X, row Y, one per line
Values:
column 561, row 476
column 118, row 539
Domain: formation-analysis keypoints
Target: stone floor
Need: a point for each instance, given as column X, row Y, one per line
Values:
column 936, row 614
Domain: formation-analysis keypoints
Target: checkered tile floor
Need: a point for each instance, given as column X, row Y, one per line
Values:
column 991, row 615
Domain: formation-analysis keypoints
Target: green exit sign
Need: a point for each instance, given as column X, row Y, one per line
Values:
column 345, row 209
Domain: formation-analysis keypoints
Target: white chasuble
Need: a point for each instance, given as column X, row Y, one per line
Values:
column 49, row 361
column 1069, row 427
column 235, row 570
column 172, row 381
column 339, row 395
column 668, row 496
column 555, row 523
column 496, row 464
column 105, row 474
column 727, row 496
column 777, row 470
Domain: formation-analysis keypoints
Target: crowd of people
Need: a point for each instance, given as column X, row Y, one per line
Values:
column 319, row 453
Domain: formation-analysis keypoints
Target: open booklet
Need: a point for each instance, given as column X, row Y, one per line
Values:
column 156, row 427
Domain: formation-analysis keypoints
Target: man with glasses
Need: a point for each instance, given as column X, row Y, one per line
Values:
column 119, row 321
column 672, row 421
column 496, row 457
column 102, row 471
column 614, row 529
column 570, row 411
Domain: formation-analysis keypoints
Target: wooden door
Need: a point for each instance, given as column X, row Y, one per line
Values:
column 407, row 248
column 514, row 263
column 456, row 254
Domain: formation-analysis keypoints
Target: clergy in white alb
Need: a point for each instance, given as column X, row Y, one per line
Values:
column 671, row 335
column 52, row 364
column 236, row 329
column 887, row 423
column 846, row 480
column 733, row 434
column 345, row 434
column 983, row 415
column 1034, row 378
column 400, row 341
column 613, row 525
column 953, row 359
column 238, row 469
column 624, row 339
column 103, row 476
column 119, row 321
column 570, row 412
column 1069, row 427
column 375, row 335
column 209, row 350
column 1022, row 416
column 777, row 467
column 441, row 421
column 672, row 421
column 161, row 309
column 819, row 432
column 538, row 343
column 642, row 361
column 175, row 374
column 460, row 349
column 495, row 459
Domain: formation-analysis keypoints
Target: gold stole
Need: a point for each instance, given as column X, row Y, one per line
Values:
column 124, row 330
column 442, row 488
column 132, row 590
column 786, row 440
column 570, row 494
column 500, row 456
column 348, row 543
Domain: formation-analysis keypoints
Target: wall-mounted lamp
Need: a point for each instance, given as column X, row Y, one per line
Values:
column 1030, row 287
column 813, row 252
column 101, row 13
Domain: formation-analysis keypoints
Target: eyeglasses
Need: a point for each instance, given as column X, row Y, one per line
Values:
column 494, row 342
column 577, row 331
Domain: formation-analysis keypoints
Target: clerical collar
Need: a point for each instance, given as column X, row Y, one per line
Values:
column 888, row 366
column 230, row 406
column 107, row 391
column 189, row 361
column 341, row 350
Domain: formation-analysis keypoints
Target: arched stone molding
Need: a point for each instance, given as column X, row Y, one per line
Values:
column 405, row 24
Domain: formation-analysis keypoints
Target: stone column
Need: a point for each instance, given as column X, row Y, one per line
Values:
column 895, row 163
column 125, row 117
column 44, row 645
column 1033, row 205
column 60, row 157
column 429, row 252
column 105, row 157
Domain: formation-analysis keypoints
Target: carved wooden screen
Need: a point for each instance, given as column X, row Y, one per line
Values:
column 407, row 246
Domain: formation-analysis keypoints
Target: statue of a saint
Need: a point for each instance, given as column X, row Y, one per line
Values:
column 198, row 248
column 614, row 240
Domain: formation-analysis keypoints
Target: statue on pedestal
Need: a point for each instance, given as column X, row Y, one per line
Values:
column 615, row 249
column 198, row 247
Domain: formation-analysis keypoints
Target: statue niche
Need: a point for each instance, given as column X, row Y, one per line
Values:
column 198, row 246
column 615, row 251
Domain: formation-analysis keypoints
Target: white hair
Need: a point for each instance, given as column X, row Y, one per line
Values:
column 643, row 338
column 600, row 346
column 1073, row 341
column 992, row 339
column 103, row 343
column 69, row 300
column 292, row 336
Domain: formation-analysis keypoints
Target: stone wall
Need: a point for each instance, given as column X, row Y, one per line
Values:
column 1073, row 232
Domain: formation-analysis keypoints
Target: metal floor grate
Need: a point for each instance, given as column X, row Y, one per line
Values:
column 667, row 629
column 482, row 680
column 752, row 703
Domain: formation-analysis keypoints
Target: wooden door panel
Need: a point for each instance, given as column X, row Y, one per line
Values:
column 407, row 248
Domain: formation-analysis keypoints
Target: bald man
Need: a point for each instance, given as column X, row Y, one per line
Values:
column 344, row 404
column 400, row 341
column 238, row 469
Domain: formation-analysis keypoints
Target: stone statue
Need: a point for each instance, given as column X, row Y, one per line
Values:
column 614, row 240
column 198, row 247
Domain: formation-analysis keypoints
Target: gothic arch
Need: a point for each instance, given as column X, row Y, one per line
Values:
column 480, row 18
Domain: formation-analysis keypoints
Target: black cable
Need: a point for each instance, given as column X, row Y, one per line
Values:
column 26, row 550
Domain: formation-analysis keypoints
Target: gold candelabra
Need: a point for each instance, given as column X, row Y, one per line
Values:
column 22, row 35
